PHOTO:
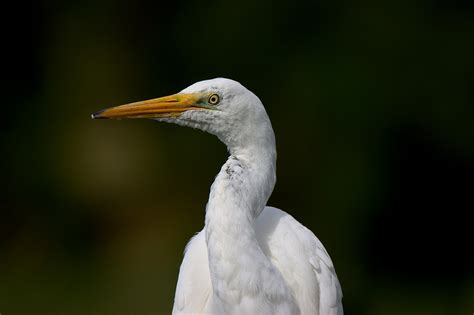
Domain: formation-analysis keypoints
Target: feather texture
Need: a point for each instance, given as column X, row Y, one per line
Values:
column 293, row 249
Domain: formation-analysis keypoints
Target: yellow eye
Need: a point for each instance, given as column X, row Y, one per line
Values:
column 214, row 99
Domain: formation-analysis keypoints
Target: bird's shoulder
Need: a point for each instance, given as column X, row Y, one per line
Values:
column 194, row 288
column 302, row 260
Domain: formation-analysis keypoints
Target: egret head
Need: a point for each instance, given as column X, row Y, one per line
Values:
column 222, row 107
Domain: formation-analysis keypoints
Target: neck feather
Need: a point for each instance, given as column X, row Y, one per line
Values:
column 239, row 269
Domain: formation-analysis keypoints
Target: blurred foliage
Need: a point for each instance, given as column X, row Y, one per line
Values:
column 371, row 102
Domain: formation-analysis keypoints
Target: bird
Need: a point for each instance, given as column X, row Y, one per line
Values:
column 249, row 258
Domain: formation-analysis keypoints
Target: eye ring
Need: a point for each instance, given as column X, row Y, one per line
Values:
column 214, row 99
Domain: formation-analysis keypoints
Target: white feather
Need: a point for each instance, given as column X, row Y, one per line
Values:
column 293, row 249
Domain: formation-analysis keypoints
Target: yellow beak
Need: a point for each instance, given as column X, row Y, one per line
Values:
column 167, row 106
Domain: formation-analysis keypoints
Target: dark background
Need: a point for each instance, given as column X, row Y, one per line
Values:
column 372, row 106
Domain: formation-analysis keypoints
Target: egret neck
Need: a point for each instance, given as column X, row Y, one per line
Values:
column 239, row 269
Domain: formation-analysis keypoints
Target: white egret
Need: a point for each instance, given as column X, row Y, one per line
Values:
column 249, row 258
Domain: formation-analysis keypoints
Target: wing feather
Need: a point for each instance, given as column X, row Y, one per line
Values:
column 302, row 260
column 193, row 291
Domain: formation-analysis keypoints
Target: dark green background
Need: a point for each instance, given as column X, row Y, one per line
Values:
column 372, row 106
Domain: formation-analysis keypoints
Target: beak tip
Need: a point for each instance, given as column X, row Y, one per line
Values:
column 97, row 115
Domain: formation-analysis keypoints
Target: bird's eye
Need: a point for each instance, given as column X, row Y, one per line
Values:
column 214, row 99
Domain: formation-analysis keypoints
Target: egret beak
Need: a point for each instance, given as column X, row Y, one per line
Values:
column 167, row 106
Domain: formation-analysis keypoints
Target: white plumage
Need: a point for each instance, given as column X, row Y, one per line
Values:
column 292, row 249
column 249, row 258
